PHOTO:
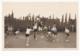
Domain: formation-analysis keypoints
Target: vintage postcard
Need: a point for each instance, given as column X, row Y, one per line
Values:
column 40, row 25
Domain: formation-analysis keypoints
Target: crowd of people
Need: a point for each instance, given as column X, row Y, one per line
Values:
column 50, row 31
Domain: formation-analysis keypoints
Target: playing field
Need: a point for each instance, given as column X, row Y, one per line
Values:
column 19, row 41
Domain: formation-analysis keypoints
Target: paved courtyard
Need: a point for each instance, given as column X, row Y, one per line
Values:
column 20, row 42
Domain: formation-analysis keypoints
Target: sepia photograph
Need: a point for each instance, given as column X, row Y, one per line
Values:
column 40, row 25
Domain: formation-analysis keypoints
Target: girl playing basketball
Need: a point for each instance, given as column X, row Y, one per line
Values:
column 28, row 31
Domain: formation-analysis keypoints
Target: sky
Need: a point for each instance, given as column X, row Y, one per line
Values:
column 41, row 8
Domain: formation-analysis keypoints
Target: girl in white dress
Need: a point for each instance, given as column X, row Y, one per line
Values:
column 67, row 31
column 28, row 32
column 35, row 28
column 54, row 31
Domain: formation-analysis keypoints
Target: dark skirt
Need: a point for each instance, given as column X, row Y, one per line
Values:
column 67, row 34
column 54, row 32
column 26, row 35
column 35, row 30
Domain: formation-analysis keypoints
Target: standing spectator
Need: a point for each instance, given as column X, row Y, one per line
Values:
column 17, row 32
